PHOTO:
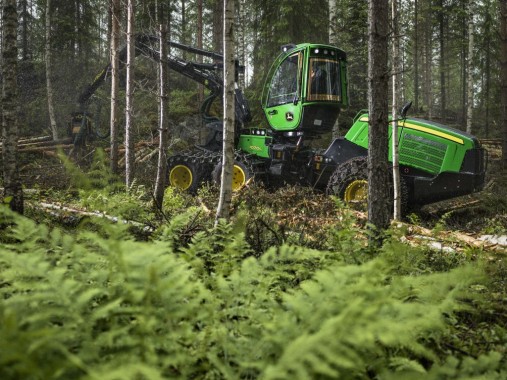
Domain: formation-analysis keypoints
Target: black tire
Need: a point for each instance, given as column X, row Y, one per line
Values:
column 349, row 182
column 241, row 176
column 184, row 174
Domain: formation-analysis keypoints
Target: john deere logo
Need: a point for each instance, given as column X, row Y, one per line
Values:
column 289, row 116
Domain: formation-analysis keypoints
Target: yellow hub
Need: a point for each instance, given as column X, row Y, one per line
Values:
column 181, row 177
column 238, row 178
column 356, row 191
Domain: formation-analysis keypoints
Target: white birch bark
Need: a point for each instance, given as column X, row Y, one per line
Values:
column 49, row 83
column 115, row 82
column 160, row 182
column 395, row 105
column 224, row 203
column 129, row 104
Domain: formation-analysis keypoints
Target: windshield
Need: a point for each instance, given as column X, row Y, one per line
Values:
column 285, row 83
column 324, row 80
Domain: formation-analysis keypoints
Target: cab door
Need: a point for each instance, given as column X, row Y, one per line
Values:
column 283, row 107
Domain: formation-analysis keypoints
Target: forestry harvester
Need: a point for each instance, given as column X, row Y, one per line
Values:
column 305, row 89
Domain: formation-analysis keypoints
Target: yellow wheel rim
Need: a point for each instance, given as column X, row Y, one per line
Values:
column 238, row 178
column 356, row 191
column 180, row 177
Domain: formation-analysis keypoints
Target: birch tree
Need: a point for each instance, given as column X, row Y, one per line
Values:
column 13, row 193
column 129, row 102
column 224, row 203
column 395, row 104
column 49, row 83
column 378, row 78
column 115, row 82
column 160, row 183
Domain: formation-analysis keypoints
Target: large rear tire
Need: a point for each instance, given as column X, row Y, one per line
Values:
column 350, row 183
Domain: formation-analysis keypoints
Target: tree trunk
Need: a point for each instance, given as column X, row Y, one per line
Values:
column 333, row 40
column 160, row 183
column 395, row 105
column 378, row 77
column 115, row 82
column 487, row 68
column 218, row 11
column 441, row 19
column 503, row 73
column 416, row 56
column 200, row 87
column 24, row 30
column 183, row 39
column 470, row 78
column 49, row 84
column 129, row 101
column 224, row 203
column 333, row 35
column 13, row 191
column 428, row 60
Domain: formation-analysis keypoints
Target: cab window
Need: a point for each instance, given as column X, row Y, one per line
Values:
column 284, row 86
column 323, row 80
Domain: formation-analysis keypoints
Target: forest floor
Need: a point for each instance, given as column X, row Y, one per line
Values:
column 481, row 216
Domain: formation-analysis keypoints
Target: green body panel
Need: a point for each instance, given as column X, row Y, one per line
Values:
column 423, row 145
column 254, row 144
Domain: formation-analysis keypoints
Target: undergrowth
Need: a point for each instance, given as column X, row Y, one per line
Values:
column 104, row 305
column 287, row 290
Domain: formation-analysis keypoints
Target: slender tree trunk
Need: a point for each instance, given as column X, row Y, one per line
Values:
column 487, row 68
column 160, row 183
column 24, row 31
column 218, row 11
column 224, row 203
column 333, row 40
column 333, row 35
column 13, row 191
column 200, row 87
column 428, row 60
column 115, row 82
column 470, row 78
column 395, row 105
column 441, row 25
column 129, row 105
column 49, row 84
column 503, row 73
column 416, row 56
column 378, row 79
column 183, row 26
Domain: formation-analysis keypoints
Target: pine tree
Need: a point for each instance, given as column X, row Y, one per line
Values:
column 378, row 194
column 13, row 192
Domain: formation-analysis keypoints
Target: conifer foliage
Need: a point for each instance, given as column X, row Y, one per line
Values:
column 100, row 305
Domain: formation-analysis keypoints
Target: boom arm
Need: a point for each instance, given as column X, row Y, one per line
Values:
column 206, row 74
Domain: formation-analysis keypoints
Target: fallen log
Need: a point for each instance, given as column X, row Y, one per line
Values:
column 58, row 210
column 446, row 239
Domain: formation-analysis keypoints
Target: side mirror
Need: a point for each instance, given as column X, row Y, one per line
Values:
column 404, row 110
